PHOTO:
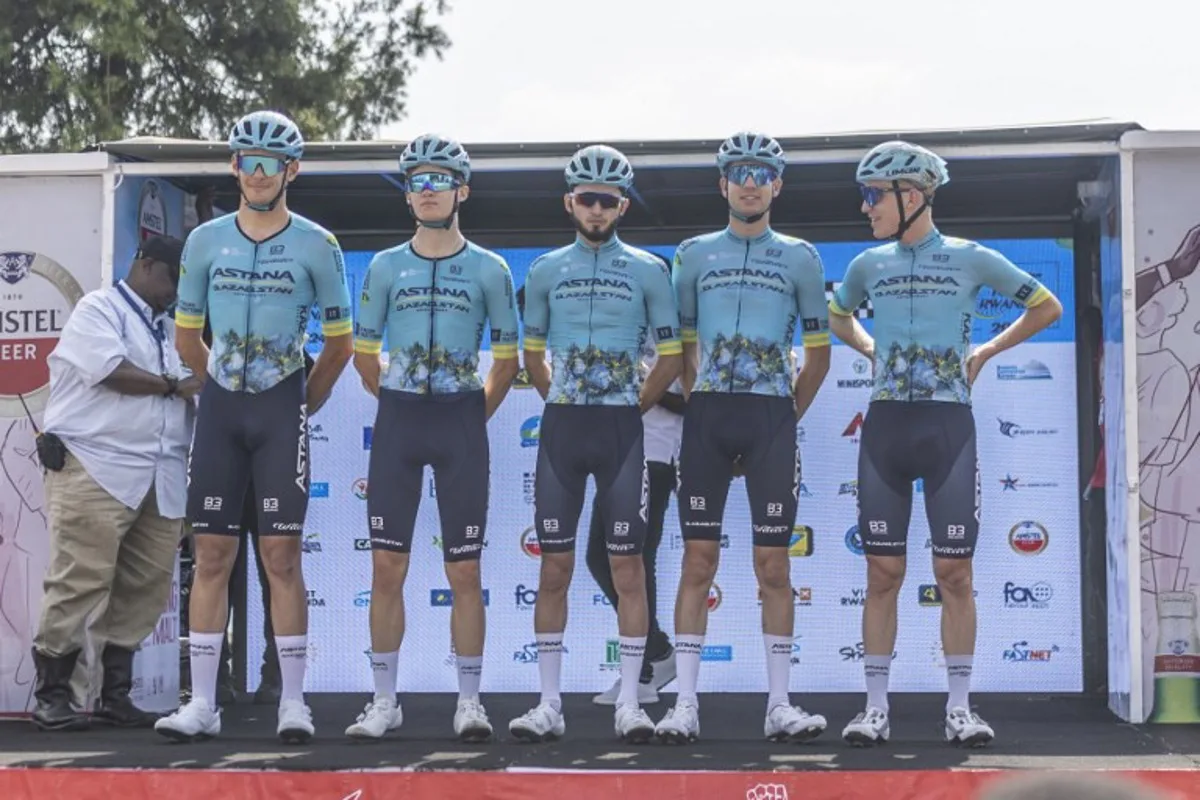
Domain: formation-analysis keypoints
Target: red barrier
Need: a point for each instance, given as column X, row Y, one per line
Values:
column 234, row 785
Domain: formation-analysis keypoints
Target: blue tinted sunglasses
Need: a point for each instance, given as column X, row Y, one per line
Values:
column 871, row 195
column 270, row 165
column 433, row 181
column 762, row 174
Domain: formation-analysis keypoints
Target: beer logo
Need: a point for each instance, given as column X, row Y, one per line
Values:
column 36, row 296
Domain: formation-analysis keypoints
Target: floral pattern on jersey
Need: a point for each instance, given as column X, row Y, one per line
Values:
column 740, row 364
column 591, row 376
column 435, row 370
column 255, row 363
column 920, row 373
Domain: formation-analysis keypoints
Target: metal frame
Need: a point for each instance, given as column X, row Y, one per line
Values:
column 1133, row 542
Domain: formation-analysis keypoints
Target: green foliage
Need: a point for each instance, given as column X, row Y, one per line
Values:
column 76, row 72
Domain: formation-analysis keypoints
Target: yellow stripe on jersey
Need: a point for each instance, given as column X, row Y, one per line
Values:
column 367, row 347
column 841, row 312
column 189, row 321
column 535, row 343
column 504, row 351
column 689, row 336
column 337, row 328
column 1038, row 297
column 671, row 347
column 816, row 339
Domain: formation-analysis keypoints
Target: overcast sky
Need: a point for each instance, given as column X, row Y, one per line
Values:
column 556, row 70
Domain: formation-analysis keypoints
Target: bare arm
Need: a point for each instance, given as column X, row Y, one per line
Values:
column 848, row 329
column 811, row 376
column 189, row 343
column 539, row 371
column 330, row 362
column 368, row 368
column 691, row 365
column 499, row 381
column 132, row 380
column 666, row 370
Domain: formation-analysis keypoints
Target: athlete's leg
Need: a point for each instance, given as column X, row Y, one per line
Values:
column 559, row 488
column 884, row 511
column 662, row 483
column 278, row 438
column 705, row 472
column 218, row 474
column 395, row 469
column 596, row 557
column 952, row 505
column 772, row 469
column 462, row 474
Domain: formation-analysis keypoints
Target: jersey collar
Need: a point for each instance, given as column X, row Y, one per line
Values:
column 932, row 239
column 762, row 237
column 611, row 245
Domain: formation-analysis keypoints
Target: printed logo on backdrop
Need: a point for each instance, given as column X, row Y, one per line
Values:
column 36, row 296
column 1028, row 538
column 528, row 654
column 1014, row 431
column 525, row 597
column 528, row 483
column 862, row 368
column 854, row 541
column 318, row 490
column 315, row 600
column 800, row 545
column 852, row 429
column 856, row 597
column 849, row 487
column 316, row 432
column 855, row 652
column 1023, row 652
column 151, row 212
column 529, row 543
column 363, row 600
column 801, row 596
column 1009, row 483
column 531, row 432
column 1036, row 596
column 444, row 598
column 930, row 595
column 714, row 597
column 311, row 543
column 1031, row 370
column 359, row 487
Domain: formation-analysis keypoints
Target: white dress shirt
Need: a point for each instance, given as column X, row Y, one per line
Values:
column 125, row 442
column 663, row 428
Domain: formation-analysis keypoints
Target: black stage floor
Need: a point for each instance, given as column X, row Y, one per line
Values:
column 1033, row 732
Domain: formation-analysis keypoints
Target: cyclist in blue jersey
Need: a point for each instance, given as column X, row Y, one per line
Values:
column 593, row 304
column 433, row 298
column 923, row 288
column 742, row 293
column 256, row 274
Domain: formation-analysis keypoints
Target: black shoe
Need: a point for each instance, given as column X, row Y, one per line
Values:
column 55, row 710
column 226, row 688
column 268, row 692
column 114, row 707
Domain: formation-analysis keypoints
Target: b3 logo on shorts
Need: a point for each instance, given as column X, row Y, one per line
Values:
column 620, row 529
column 550, row 526
column 376, row 523
column 956, row 531
column 212, row 504
column 696, row 503
column 774, row 509
column 271, row 505
column 472, row 532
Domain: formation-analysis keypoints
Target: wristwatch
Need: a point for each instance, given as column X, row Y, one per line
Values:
column 172, row 385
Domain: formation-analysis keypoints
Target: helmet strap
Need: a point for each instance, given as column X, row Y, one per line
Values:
column 270, row 205
column 906, row 222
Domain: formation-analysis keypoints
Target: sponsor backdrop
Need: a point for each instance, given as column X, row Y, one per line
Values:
column 1167, row 247
column 1027, row 572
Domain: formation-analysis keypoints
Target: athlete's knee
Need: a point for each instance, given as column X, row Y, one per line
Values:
column 464, row 577
column 954, row 578
column 215, row 557
column 773, row 568
column 700, row 562
column 281, row 557
column 555, row 574
column 885, row 574
column 388, row 571
column 628, row 574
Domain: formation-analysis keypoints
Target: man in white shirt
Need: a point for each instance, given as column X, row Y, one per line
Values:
column 663, row 429
column 118, row 427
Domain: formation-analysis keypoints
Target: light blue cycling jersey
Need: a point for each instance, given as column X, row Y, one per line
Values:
column 594, row 308
column 258, row 296
column 923, row 297
column 740, row 299
column 433, row 311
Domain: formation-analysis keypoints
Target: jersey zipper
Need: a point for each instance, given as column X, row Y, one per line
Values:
column 249, row 301
column 912, row 308
column 591, row 309
column 432, row 315
column 737, row 329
